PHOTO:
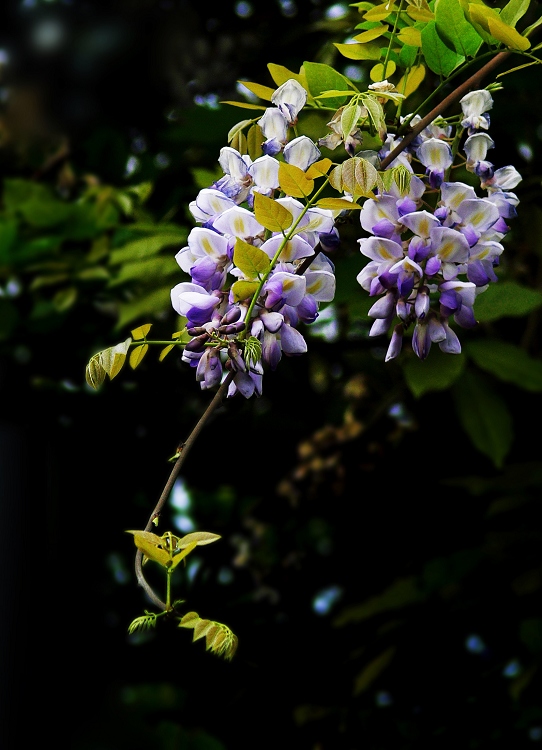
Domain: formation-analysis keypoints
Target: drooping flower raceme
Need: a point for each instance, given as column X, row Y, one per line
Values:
column 428, row 266
column 245, row 333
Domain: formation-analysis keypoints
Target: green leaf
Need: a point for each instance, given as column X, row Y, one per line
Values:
column 242, row 290
column 484, row 417
column 436, row 373
column 439, row 58
column 507, row 298
column 321, row 77
column 245, row 105
column 507, row 362
column 270, row 214
column 66, row 298
column 252, row 261
column 112, row 359
column 294, row 182
column 238, row 126
column 453, row 27
column 144, row 306
column 513, row 11
column 147, row 246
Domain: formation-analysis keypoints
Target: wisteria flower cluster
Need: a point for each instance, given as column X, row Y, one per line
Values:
column 434, row 244
column 245, row 299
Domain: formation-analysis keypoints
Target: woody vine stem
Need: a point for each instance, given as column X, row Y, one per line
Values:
column 471, row 83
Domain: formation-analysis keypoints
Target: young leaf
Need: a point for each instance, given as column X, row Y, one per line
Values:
column 422, row 12
column 199, row 537
column 349, row 119
column 242, row 290
column 270, row 214
column 337, row 204
column 411, row 80
column 355, row 176
column 152, row 546
column 112, row 359
column 244, row 105
column 249, row 259
column 377, row 72
column 181, row 555
column 507, row 35
column 318, row 169
column 369, row 51
column 380, row 12
column 374, row 33
column 165, row 352
column 280, row 75
column 411, row 36
column 137, row 355
column 236, row 128
column 293, row 181
column 189, row 620
column 263, row 92
column 141, row 331
column 95, row 373
column 254, row 141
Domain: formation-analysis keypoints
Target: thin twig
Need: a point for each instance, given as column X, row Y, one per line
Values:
column 219, row 395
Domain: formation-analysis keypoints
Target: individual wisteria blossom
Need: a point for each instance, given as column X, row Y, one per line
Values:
column 241, row 335
column 427, row 267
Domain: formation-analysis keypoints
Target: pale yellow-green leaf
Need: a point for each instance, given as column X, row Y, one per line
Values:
column 215, row 637
column 95, row 373
column 410, row 36
column 379, row 12
column 335, row 204
column 251, row 260
column 377, row 72
column 294, row 182
column 112, row 359
column 369, row 51
column 239, row 126
column 270, row 214
column 519, row 67
column 189, row 620
column 255, row 139
column 374, row 33
column 355, row 176
column 349, row 119
column 263, row 92
column 141, row 331
column 280, row 75
column 334, row 93
column 242, row 290
column 244, row 105
column 421, row 13
column 152, row 546
column 239, row 142
column 181, row 555
column 318, row 169
column 137, row 354
column 199, row 537
column 507, row 35
column 165, row 352
column 201, row 628
column 410, row 82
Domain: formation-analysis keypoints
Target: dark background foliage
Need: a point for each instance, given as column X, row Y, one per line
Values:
column 382, row 574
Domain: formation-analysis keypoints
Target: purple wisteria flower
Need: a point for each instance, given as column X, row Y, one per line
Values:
column 231, row 333
column 427, row 266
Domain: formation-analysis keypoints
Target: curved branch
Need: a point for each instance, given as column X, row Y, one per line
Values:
column 218, row 397
column 456, row 94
